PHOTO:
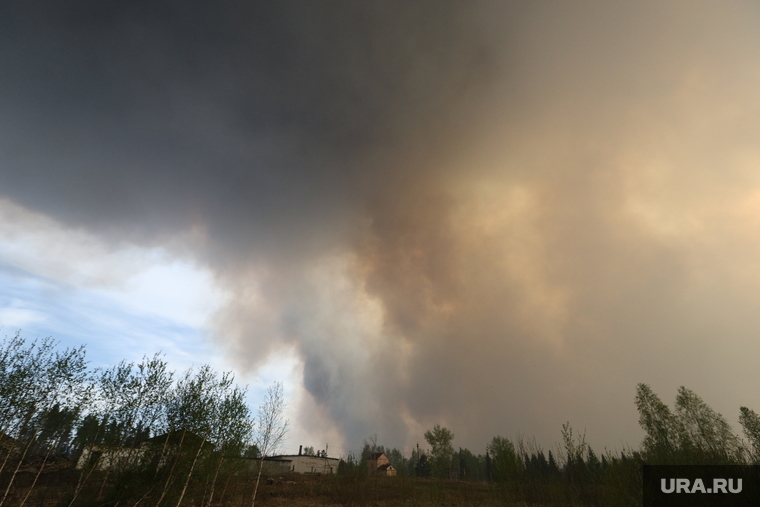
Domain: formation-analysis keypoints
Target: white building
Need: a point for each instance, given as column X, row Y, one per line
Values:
column 103, row 457
column 301, row 464
column 160, row 448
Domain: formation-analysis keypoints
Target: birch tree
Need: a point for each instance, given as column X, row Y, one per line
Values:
column 131, row 397
column 440, row 439
column 41, row 378
column 232, row 430
column 750, row 423
column 271, row 427
column 196, row 408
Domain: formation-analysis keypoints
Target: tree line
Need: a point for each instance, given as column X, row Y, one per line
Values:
column 136, row 431
column 691, row 433
column 143, row 435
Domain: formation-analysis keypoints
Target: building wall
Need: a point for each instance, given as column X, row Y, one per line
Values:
column 308, row 464
column 314, row 465
column 389, row 471
column 293, row 464
column 109, row 458
column 373, row 464
column 274, row 466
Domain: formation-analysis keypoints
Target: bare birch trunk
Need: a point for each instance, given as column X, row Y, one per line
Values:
column 10, row 450
column 192, row 467
column 15, row 472
column 258, row 478
column 144, row 496
column 174, row 464
column 221, row 498
column 44, row 461
column 82, row 477
column 103, row 484
column 216, row 475
column 80, row 484
column 7, row 456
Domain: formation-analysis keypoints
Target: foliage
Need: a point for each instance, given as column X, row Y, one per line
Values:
column 439, row 439
column 694, row 434
column 750, row 423
column 505, row 463
column 53, row 409
column 43, row 391
column 397, row 461
column 350, row 466
column 148, row 437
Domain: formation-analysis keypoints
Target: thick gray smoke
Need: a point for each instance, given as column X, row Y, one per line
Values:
column 494, row 217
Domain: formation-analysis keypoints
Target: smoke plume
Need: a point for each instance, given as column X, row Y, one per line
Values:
column 492, row 217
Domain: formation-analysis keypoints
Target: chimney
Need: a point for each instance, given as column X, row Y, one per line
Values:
column 299, row 449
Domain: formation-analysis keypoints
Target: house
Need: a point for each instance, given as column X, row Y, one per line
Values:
column 386, row 470
column 7, row 442
column 173, row 439
column 379, row 464
column 158, row 448
column 8, row 445
column 106, row 457
column 300, row 464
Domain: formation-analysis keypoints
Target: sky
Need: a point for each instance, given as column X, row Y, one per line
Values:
column 494, row 216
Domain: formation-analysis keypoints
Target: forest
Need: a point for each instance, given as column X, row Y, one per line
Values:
column 139, row 434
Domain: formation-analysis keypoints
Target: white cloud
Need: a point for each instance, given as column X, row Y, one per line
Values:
column 122, row 302
column 16, row 314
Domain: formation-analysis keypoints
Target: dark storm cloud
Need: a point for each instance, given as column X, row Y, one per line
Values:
column 269, row 126
column 247, row 116
column 495, row 216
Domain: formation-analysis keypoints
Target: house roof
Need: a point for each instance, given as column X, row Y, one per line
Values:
column 376, row 455
column 176, row 436
column 387, row 466
column 6, row 441
column 274, row 458
column 289, row 457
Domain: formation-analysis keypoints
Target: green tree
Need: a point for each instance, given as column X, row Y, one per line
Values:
column 705, row 432
column 22, row 370
column 440, row 440
column 551, row 465
column 575, row 452
column 42, row 383
column 660, row 424
column 413, row 464
column 506, row 464
column 694, row 434
column 422, row 466
column 195, row 409
column 471, row 467
column 350, row 466
column 131, row 399
column 250, row 450
column 750, row 423
column 232, row 429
